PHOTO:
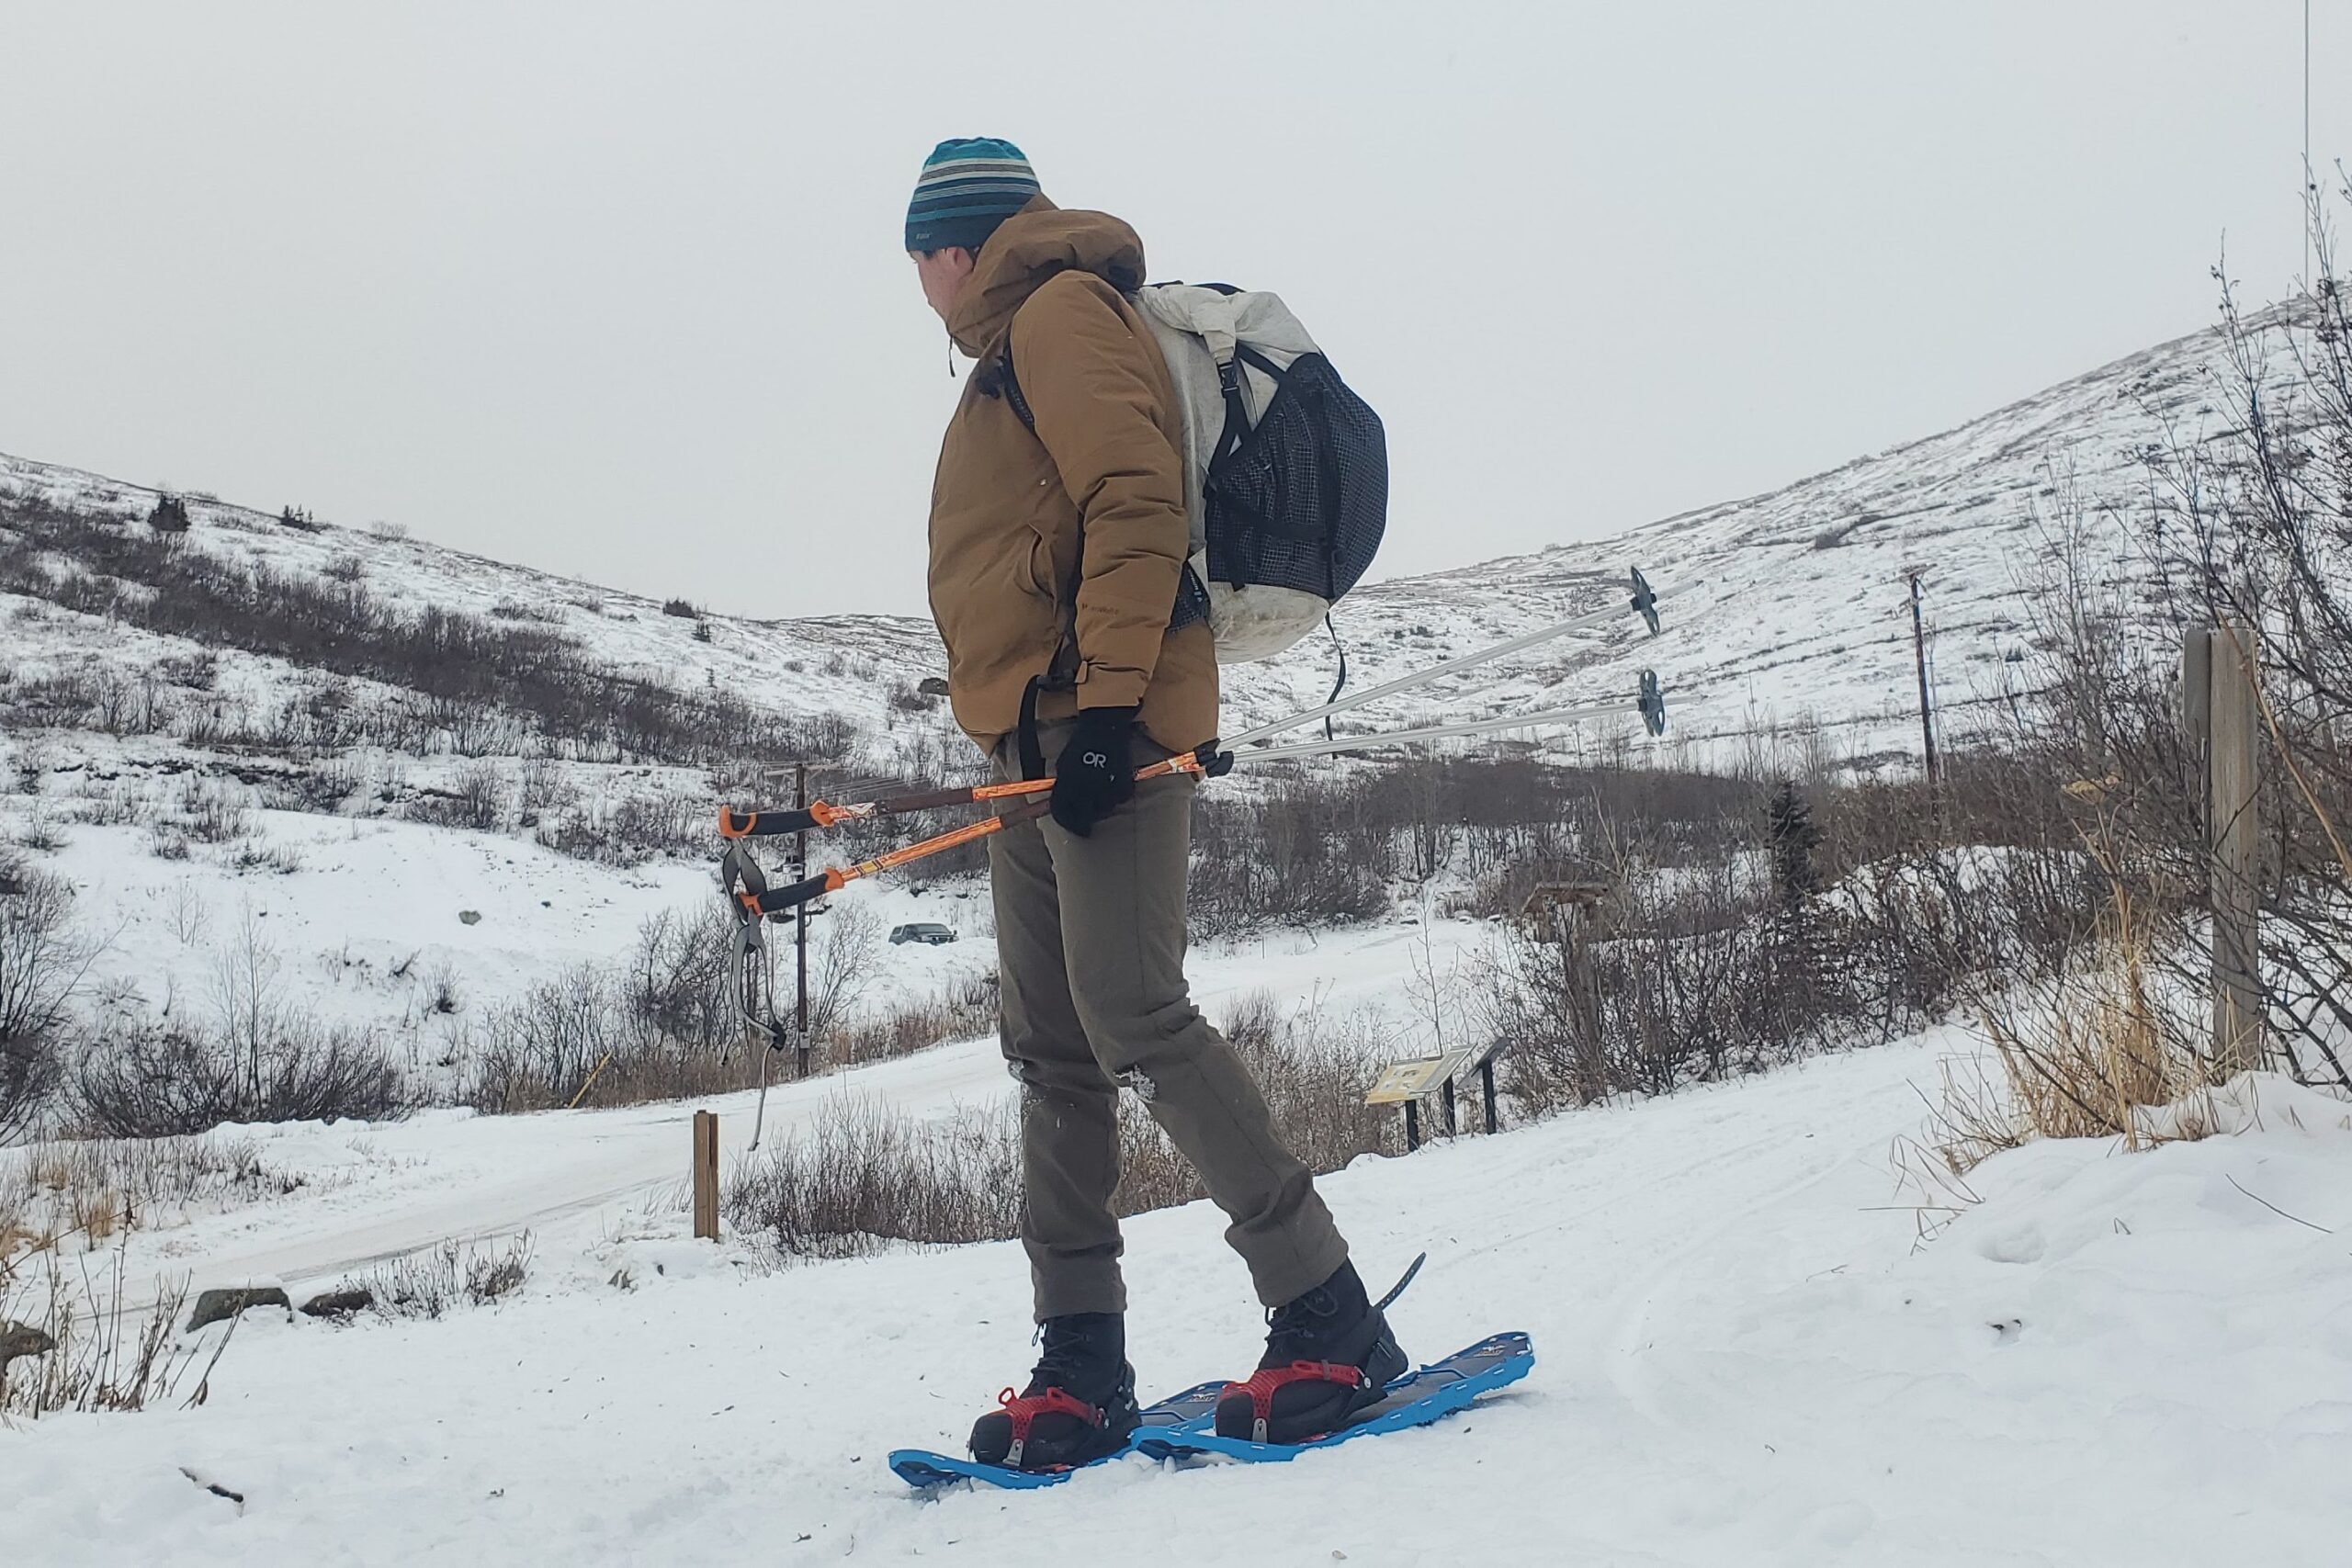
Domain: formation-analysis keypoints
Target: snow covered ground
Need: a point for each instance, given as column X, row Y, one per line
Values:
column 1748, row 1352
column 1746, row 1355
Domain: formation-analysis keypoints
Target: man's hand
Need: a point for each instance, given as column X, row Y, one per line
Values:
column 1096, row 773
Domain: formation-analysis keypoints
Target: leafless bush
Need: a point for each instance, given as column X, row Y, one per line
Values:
column 848, row 944
column 1305, row 852
column 476, row 799
column 431, row 1284
column 42, row 964
column 155, row 1082
column 864, row 1175
column 213, row 813
column 546, row 790
column 1314, row 1070
column 40, row 832
column 962, row 1011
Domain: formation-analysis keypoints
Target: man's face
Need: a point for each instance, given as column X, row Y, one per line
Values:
column 943, row 273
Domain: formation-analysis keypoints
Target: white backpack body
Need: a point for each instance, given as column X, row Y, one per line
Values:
column 1285, row 469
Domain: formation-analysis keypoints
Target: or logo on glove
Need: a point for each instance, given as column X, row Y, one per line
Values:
column 1096, row 773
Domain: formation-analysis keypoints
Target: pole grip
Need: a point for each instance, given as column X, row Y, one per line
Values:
column 794, row 894
column 733, row 824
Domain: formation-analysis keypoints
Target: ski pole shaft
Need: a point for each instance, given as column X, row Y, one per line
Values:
column 1435, row 732
column 1464, row 661
column 820, row 814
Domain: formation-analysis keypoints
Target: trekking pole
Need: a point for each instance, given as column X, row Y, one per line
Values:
column 1645, row 603
column 818, row 814
column 748, row 892
column 832, row 879
column 1650, row 706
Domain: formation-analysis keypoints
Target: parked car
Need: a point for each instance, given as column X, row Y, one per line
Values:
column 929, row 932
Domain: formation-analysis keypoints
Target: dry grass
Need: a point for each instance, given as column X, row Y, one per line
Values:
column 429, row 1284
column 94, row 1188
column 2089, row 1054
column 106, row 1357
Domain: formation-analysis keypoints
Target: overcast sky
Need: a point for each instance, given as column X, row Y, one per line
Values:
column 618, row 291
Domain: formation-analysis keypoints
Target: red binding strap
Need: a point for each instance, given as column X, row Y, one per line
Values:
column 1024, row 1409
column 1266, row 1380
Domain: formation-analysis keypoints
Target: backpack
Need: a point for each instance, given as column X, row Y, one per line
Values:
column 1285, row 469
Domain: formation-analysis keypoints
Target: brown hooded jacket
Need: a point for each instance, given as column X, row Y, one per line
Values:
column 1058, row 554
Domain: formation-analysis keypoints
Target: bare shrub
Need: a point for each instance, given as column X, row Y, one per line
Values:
column 842, row 963
column 155, row 1082
column 476, row 799
column 546, row 790
column 431, row 1284
column 42, row 965
column 962, row 1011
column 864, row 1175
column 213, row 813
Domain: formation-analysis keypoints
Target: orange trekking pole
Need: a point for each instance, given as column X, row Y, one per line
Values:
column 735, row 827
column 820, row 814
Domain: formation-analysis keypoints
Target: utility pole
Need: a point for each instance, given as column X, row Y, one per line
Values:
column 800, row 927
column 1926, row 704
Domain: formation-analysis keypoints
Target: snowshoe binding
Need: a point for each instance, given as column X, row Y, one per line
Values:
column 1080, row 1405
column 1329, row 1353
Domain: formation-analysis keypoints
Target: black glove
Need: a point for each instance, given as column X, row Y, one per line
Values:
column 1096, row 773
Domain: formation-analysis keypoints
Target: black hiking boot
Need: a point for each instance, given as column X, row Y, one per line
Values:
column 1329, row 1354
column 1080, row 1405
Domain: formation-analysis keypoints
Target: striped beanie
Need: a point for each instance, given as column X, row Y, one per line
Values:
column 969, row 185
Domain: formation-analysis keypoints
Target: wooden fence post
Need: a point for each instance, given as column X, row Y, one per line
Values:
column 706, row 1175
column 2234, row 835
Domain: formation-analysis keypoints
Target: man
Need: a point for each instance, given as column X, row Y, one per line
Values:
column 1058, row 537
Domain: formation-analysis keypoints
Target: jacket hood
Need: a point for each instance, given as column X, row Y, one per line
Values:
column 1030, row 247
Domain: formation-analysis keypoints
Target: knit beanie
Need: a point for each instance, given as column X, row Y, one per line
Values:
column 969, row 185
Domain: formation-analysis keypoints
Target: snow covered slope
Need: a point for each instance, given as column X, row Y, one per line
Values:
column 1803, row 614
column 1746, row 1355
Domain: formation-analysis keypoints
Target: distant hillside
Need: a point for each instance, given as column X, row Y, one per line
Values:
column 1803, row 620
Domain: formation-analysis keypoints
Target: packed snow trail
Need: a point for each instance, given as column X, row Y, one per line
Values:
column 483, row 1176
column 1748, row 1358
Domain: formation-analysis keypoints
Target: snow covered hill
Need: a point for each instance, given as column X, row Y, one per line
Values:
column 209, row 802
column 1804, row 616
column 1747, row 1354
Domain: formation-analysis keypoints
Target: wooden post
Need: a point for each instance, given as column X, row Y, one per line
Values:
column 2233, row 831
column 1446, row 1094
column 705, row 1174
column 1412, row 1125
column 1486, row 1088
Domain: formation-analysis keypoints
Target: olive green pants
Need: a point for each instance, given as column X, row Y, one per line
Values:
column 1089, row 936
